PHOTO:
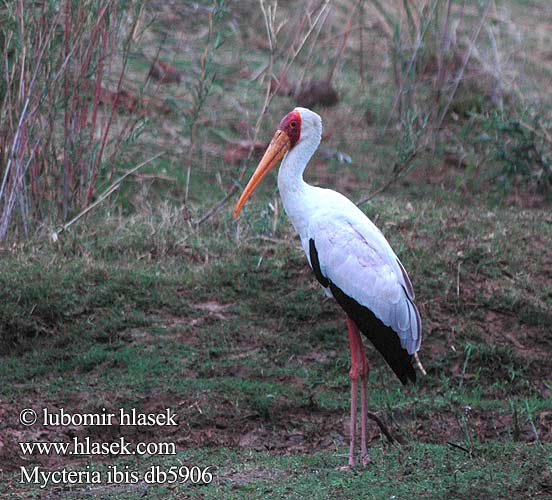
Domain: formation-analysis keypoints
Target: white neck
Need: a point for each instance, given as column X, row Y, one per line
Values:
column 293, row 189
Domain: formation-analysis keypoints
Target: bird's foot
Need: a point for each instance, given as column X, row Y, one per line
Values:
column 366, row 460
column 350, row 465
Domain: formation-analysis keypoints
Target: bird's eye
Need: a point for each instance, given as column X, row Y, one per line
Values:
column 293, row 124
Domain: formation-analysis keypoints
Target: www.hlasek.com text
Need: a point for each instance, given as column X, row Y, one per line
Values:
column 87, row 446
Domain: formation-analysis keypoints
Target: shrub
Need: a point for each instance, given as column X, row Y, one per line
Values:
column 56, row 108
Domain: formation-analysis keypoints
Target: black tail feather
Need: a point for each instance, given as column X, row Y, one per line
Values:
column 384, row 338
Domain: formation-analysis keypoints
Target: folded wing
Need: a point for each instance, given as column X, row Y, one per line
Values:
column 355, row 263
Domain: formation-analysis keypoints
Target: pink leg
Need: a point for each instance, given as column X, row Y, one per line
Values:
column 352, row 434
column 365, row 457
column 359, row 368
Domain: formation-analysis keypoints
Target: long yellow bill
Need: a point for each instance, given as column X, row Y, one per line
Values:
column 278, row 147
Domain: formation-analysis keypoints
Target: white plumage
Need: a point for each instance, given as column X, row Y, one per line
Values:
column 350, row 257
column 353, row 253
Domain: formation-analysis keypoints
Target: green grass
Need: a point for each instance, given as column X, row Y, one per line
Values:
column 225, row 324
column 427, row 471
column 239, row 345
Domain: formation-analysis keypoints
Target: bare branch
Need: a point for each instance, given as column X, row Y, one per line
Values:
column 384, row 429
column 108, row 192
column 398, row 170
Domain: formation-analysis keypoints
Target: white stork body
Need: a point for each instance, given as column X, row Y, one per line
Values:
column 349, row 256
column 355, row 256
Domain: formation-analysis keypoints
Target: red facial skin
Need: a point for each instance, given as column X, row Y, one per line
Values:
column 291, row 125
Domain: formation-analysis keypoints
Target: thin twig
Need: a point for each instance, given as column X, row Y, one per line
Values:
column 202, row 91
column 315, row 44
column 384, row 428
column 532, row 423
column 341, row 49
column 269, row 18
column 457, row 446
column 385, row 18
column 361, row 42
column 413, row 58
column 460, row 74
column 465, row 365
column 305, row 38
column 103, row 143
column 110, row 190
column 216, row 207
column 546, row 137
column 398, row 170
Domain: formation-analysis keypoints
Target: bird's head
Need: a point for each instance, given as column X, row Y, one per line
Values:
column 300, row 126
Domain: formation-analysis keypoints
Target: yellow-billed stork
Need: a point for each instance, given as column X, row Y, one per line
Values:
column 350, row 258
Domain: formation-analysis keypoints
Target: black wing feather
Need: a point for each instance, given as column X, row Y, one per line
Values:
column 384, row 338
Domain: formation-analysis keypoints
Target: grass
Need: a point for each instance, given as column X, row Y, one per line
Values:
column 251, row 353
column 429, row 471
column 136, row 306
